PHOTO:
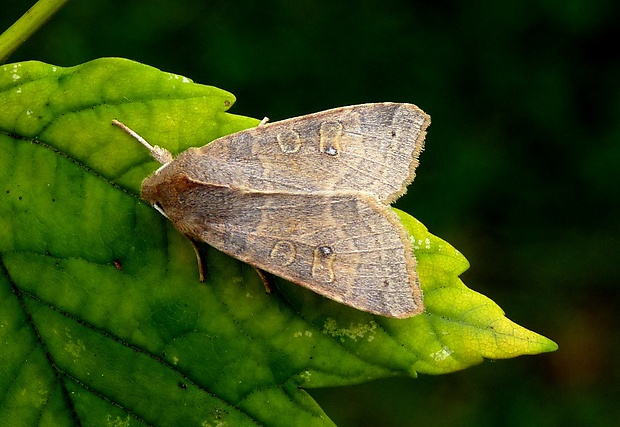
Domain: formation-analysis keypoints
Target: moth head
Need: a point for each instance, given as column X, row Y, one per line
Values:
column 153, row 188
column 156, row 190
column 170, row 191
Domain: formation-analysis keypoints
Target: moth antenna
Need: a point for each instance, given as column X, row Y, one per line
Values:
column 264, row 121
column 160, row 154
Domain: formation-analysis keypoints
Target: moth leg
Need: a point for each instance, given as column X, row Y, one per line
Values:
column 267, row 279
column 264, row 121
column 201, row 268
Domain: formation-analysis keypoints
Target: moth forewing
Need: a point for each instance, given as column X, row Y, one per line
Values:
column 371, row 148
column 308, row 199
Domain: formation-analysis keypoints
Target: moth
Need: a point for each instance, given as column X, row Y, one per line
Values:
column 307, row 199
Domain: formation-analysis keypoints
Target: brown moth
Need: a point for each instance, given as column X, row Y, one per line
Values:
column 306, row 199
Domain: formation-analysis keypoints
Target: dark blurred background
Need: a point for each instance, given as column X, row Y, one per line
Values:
column 521, row 171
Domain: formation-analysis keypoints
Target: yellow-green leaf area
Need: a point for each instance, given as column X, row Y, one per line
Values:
column 102, row 317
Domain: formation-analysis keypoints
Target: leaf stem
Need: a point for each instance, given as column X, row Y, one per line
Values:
column 27, row 25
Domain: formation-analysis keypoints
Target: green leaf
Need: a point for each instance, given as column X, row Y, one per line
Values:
column 102, row 317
